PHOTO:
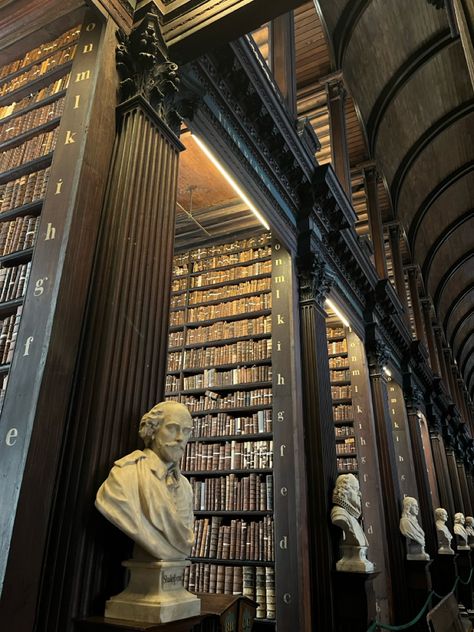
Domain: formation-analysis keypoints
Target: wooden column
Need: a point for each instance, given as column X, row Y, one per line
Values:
column 426, row 306
column 375, row 221
column 467, row 501
column 416, row 304
column 391, row 496
column 121, row 371
column 438, row 334
column 441, row 467
column 397, row 263
column 339, row 151
column 454, row 478
column 470, row 486
column 319, row 427
column 283, row 58
column 449, row 371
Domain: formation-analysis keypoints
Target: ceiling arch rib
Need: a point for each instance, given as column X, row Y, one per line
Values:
column 447, row 276
column 431, row 198
column 455, row 304
column 346, row 25
column 462, row 362
column 420, row 57
column 423, row 141
column 461, row 322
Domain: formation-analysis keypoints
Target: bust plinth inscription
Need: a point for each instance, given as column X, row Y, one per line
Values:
column 146, row 497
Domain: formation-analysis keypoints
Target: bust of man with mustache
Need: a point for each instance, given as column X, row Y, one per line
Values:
column 145, row 494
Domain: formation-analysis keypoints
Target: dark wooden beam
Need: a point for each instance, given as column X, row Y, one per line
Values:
column 450, row 272
column 455, row 304
column 282, row 50
column 346, row 25
column 459, row 324
column 428, row 136
column 431, row 198
column 441, row 239
column 402, row 75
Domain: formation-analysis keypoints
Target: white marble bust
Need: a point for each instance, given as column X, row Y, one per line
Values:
column 411, row 529
column 469, row 526
column 460, row 532
column 443, row 533
column 345, row 514
column 145, row 495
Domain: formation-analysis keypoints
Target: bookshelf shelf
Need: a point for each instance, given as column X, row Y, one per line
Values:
column 33, row 165
column 33, row 208
column 231, row 514
column 226, row 299
column 235, row 437
column 34, row 105
column 225, row 472
column 341, row 383
column 32, row 86
column 340, row 354
column 234, row 317
column 192, row 370
column 231, row 410
column 4, row 368
column 15, row 258
column 220, row 342
column 9, row 307
column 341, row 400
column 338, row 368
column 37, row 61
column 21, row 138
column 210, row 286
column 232, row 562
column 231, row 265
column 245, row 386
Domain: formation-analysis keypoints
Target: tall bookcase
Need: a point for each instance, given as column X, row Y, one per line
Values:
column 219, row 365
column 32, row 95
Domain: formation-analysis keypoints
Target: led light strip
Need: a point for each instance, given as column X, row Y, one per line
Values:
column 338, row 313
column 230, row 180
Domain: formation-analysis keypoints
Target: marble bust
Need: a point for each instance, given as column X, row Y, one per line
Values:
column 345, row 514
column 443, row 533
column 411, row 529
column 460, row 532
column 146, row 497
column 470, row 531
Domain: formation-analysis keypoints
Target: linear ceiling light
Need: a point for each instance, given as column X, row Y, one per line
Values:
column 338, row 312
column 230, row 180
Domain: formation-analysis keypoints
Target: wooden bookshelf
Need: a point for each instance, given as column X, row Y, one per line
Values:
column 219, row 364
column 32, row 96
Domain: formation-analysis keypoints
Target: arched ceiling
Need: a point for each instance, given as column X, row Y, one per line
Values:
column 408, row 76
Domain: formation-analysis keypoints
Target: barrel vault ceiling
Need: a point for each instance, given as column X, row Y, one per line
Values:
column 407, row 73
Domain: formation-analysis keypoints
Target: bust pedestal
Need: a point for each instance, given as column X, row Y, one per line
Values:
column 464, row 592
column 419, row 586
column 444, row 573
column 354, row 559
column 354, row 601
column 155, row 594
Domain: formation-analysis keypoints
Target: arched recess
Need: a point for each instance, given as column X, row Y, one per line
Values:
column 346, row 25
column 465, row 320
column 463, row 294
column 447, row 276
column 464, row 345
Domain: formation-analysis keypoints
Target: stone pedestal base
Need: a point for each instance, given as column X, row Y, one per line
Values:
column 443, row 573
column 354, row 560
column 354, row 600
column 155, row 594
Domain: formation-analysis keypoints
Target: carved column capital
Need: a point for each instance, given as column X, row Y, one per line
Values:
column 336, row 88
column 315, row 279
column 426, row 305
column 377, row 352
column 146, row 71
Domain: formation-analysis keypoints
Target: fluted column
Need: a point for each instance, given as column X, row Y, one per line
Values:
column 438, row 334
column 426, row 306
column 467, row 501
column 397, row 263
column 339, row 150
column 320, row 440
column 449, row 372
column 375, row 221
column 454, row 478
column 391, row 496
column 441, row 467
column 121, row 370
column 416, row 304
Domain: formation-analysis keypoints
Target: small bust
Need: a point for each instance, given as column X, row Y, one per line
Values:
column 460, row 532
column 411, row 529
column 443, row 533
column 345, row 514
column 470, row 531
column 145, row 494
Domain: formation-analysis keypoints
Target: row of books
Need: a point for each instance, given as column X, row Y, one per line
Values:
column 24, row 190
column 30, row 150
column 13, row 281
column 253, row 492
column 219, row 261
column 56, row 59
column 231, row 274
column 18, row 234
column 223, row 293
column 214, row 401
column 44, row 50
column 35, row 97
column 8, row 335
column 340, row 376
column 343, row 431
column 239, row 540
column 335, row 332
column 231, row 455
column 222, row 424
column 220, row 249
column 339, row 346
column 231, row 308
column 348, row 447
column 3, row 388
column 30, row 120
column 238, row 352
column 255, row 582
column 341, row 392
column 213, row 377
column 229, row 329
column 338, row 363
column 346, row 464
column 341, row 412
